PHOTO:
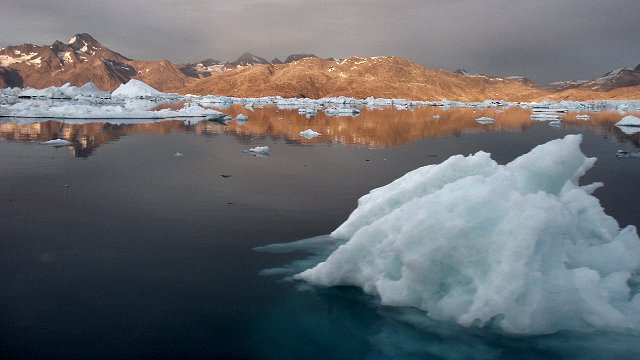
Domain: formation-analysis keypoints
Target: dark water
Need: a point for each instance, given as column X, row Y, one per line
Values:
column 116, row 248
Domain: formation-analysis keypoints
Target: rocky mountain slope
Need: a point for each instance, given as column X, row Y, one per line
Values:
column 386, row 77
column 615, row 79
column 83, row 59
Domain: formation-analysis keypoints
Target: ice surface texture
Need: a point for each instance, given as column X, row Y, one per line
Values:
column 520, row 247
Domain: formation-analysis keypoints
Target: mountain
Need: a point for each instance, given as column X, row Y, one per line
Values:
column 209, row 67
column 520, row 79
column 204, row 68
column 612, row 80
column 564, row 85
column 618, row 84
column 296, row 57
column 247, row 59
column 83, row 59
column 385, row 77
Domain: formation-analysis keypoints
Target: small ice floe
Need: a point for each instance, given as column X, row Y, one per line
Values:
column 546, row 108
column 339, row 111
column 264, row 150
column 436, row 116
column 241, row 119
column 178, row 154
column 57, row 142
column 583, row 117
column 627, row 154
column 545, row 117
column 555, row 123
column 220, row 119
column 307, row 111
column 485, row 120
column 309, row 134
column 629, row 120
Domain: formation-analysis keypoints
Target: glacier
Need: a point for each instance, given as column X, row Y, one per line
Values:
column 521, row 248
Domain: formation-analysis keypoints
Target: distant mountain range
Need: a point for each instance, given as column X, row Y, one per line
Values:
column 83, row 59
column 612, row 80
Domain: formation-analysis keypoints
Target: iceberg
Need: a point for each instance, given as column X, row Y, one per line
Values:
column 57, row 142
column 629, row 120
column 65, row 110
column 521, row 248
column 309, row 134
column 546, row 117
column 241, row 119
column 485, row 120
column 135, row 89
column 66, row 91
column 264, row 150
column 341, row 111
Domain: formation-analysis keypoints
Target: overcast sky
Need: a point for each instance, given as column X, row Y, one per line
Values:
column 546, row 40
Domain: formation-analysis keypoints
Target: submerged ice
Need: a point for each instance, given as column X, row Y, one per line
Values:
column 521, row 247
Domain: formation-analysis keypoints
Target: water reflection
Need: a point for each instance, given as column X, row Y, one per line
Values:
column 374, row 128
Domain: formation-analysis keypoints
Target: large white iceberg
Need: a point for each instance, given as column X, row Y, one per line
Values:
column 521, row 247
column 135, row 89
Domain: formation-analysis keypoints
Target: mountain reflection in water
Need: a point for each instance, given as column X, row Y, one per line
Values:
column 381, row 128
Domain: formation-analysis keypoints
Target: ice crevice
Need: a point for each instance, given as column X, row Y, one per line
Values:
column 521, row 247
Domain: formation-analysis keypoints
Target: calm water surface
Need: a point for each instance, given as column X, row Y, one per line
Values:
column 116, row 248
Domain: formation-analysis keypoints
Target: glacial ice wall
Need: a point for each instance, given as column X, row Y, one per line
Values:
column 520, row 246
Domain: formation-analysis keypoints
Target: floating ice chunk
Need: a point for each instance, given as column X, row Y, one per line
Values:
column 57, row 142
column 583, row 117
column 307, row 111
column 309, row 134
column 485, row 120
column 629, row 120
column 555, row 123
column 627, row 154
column 436, row 116
column 178, row 154
column 260, row 150
column 520, row 246
column 241, row 119
column 341, row 111
column 546, row 117
column 135, row 89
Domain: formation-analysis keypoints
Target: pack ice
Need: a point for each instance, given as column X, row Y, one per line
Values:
column 520, row 247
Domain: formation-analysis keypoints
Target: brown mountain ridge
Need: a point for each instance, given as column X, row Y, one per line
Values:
column 382, row 76
column 83, row 59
